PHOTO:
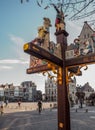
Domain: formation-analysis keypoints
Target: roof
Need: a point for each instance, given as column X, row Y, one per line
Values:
column 87, row 25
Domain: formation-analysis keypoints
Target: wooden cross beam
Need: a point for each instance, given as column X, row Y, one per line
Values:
column 43, row 54
column 63, row 103
column 87, row 59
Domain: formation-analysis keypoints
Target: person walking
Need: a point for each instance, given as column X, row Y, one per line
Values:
column 39, row 106
column 1, row 107
column 19, row 103
column 6, row 102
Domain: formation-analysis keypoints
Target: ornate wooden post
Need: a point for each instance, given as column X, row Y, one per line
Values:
column 44, row 54
column 63, row 103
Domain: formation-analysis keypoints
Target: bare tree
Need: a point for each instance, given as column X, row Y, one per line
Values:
column 74, row 9
column 23, row 1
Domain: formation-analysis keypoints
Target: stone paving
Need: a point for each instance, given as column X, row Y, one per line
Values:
column 21, row 119
column 26, row 106
column 83, row 118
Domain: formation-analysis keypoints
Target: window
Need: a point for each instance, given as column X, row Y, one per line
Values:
column 88, row 35
column 84, row 35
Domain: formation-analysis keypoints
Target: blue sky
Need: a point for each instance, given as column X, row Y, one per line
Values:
column 18, row 25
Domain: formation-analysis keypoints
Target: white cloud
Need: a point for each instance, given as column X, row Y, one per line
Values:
column 9, row 64
column 18, row 43
column 74, row 25
column 17, row 40
column 5, row 67
column 21, row 57
column 12, row 61
column 74, row 31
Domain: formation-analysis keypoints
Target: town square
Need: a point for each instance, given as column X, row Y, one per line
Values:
column 46, row 82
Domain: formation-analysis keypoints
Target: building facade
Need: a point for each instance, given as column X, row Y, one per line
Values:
column 50, row 90
column 84, row 44
column 72, row 91
column 29, row 89
column 86, row 41
column 87, row 89
column 25, row 92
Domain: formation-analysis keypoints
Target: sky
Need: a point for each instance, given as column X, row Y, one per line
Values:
column 18, row 25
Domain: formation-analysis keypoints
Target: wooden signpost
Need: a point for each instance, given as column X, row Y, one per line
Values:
column 61, row 65
column 63, row 104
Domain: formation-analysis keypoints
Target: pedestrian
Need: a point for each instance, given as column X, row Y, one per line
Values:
column 6, row 103
column 39, row 106
column 19, row 103
column 81, row 102
column 50, row 107
column 1, row 107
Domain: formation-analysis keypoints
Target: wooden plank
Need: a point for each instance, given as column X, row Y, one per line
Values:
column 41, row 53
column 87, row 59
column 37, row 69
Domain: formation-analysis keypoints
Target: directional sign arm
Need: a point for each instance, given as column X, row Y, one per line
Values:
column 37, row 69
column 41, row 53
column 87, row 59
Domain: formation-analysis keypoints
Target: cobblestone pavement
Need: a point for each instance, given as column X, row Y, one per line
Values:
column 31, row 120
column 83, row 118
column 26, row 106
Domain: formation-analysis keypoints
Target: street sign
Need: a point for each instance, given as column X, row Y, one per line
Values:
column 43, row 54
column 43, row 51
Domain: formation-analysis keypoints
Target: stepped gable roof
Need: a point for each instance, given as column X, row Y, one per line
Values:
column 87, row 25
column 71, row 46
column 87, row 87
